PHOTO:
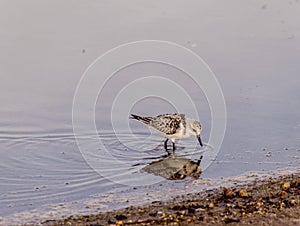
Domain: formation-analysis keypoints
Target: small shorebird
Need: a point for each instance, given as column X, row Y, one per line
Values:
column 174, row 126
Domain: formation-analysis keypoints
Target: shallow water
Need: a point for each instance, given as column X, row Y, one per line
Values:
column 254, row 54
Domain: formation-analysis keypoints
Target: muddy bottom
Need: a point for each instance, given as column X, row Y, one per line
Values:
column 275, row 201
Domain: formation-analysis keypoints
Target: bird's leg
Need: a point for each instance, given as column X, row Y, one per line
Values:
column 174, row 147
column 200, row 141
column 166, row 144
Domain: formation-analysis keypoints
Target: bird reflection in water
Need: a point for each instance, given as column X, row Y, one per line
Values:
column 174, row 168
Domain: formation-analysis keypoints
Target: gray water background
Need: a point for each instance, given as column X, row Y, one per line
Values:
column 252, row 47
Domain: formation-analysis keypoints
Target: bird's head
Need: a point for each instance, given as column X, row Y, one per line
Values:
column 197, row 128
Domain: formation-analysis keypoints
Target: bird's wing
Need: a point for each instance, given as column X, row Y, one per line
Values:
column 167, row 123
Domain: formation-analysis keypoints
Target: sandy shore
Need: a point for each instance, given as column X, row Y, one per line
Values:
column 275, row 201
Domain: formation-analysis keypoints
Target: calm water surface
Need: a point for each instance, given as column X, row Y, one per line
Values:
column 254, row 53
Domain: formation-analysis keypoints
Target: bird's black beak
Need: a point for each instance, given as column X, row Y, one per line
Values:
column 200, row 141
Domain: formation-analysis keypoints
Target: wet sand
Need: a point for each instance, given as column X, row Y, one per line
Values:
column 275, row 201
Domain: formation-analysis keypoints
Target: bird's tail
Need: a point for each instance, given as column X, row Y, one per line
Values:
column 145, row 120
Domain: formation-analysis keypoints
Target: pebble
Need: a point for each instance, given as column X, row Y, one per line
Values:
column 283, row 194
column 199, row 209
column 293, row 202
column 282, row 205
column 286, row 186
column 119, row 223
column 269, row 154
column 260, row 203
column 227, row 192
column 243, row 193
column 259, row 212
column 159, row 213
